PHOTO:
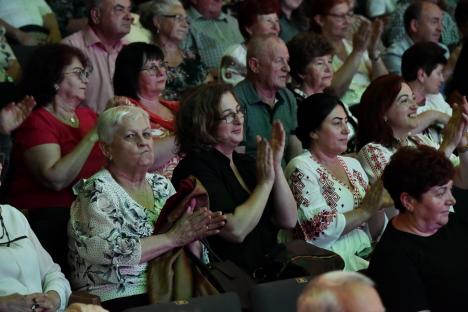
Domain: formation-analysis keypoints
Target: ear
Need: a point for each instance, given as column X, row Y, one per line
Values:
column 105, row 149
column 313, row 135
column 414, row 26
column 318, row 19
column 421, row 75
column 96, row 15
column 253, row 64
column 408, row 201
column 156, row 22
column 249, row 31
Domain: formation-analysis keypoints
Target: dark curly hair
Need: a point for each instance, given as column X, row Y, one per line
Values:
column 45, row 69
column 321, row 7
column 414, row 170
column 250, row 9
column 422, row 55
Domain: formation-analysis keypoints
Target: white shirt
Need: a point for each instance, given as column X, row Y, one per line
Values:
column 19, row 13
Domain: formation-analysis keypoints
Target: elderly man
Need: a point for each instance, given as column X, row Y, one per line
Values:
column 264, row 95
column 423, row 22
column 101, row 41
column 211, row 31
column 340, row 291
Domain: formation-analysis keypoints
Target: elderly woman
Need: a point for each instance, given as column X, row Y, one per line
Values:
column 420, row 262
column 388, row 121
column 55, row 146
column 112, row 220
column 256, row 17
column 334, row 210
column 168, row 22
column 253, row 195
column 292, row 19
column 140, row 79
column 355, row 63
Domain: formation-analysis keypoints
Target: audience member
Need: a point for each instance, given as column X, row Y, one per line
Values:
column 71, row 15
column 422, row 68
column 459, row 82
column 340, row 291
column 355, row 63
column 112, row 220
column 55, row 146
column 211, row 31
column 264, row 96
column 389, row 121
column 101, row 41
column 253, row 195
column 334, row 211
column 293, row 19
column 140, row 79
column 256, row 17
column 380, row 8
column 407, row 265
column 10, row 69
column 169, row 25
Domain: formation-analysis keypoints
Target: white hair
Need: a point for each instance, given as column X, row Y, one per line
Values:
column 111, row 119
column 151, row 9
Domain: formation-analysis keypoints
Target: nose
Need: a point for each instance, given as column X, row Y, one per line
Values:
column 451, row 200
column 345, row 128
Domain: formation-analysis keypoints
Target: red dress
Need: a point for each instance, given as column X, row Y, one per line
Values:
column 41, row 127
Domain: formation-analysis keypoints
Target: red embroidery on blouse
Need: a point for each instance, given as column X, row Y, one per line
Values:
column 328, row 191
column 297, row 187
column 316, row 226
column 376, row 159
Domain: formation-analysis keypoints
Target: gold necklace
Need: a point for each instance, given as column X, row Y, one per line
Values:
column 72, row 120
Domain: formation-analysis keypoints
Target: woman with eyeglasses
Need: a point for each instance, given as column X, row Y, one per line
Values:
column 169, row 24
column 355, row 63
column 252, row 194
column 140, row 79
column 55, row 146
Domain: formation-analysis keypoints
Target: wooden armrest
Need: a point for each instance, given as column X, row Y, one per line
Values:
column 84, row 297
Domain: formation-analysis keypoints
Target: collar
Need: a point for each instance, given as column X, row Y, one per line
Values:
column 195, row 15
column 91, row 38
column 253, row 96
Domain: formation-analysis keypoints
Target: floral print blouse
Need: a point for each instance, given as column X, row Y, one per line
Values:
column 104, row 232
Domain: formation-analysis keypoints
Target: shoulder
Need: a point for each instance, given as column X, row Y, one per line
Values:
column 288, row 96
column 302, row 162
column 76, row 39
column 13, row 216
column 160, row 184
column 98, row 182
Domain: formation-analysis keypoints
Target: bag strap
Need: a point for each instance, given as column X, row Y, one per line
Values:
column 210, row 250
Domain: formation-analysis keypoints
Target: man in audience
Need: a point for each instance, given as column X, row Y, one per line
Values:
column 211, row 31
column 101, row 41
column 423, row 22
column 264, row 96
column 340, row 291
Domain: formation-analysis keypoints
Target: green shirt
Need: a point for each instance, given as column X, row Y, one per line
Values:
column 259, row 116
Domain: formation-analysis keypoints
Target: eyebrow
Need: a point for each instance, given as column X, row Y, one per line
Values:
column 230, row 110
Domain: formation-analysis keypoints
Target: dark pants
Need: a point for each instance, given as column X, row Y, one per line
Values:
column 50, row 227
column 120, row 304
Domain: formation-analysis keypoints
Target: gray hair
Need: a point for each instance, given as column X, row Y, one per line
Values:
column 91, row 4
column 151, row 9
column 111, row 119
column 322, row 293
column 259, row 45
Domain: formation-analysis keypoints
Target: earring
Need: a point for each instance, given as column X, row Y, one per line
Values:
column 56, row 87
column 385, row 118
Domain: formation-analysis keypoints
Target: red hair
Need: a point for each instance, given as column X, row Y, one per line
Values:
column 321, row 7
column 250, row 9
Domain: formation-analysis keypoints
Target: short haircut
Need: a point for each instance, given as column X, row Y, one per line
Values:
column 375, row 102
column 414, row 170
column 321, row 7
column 128, row 66
column 198, row 117
column 45, row 69
column 412, row 12
column 151, row 9
column 111, row 119
column 422, row 55
column 90, row 5
column 323, row 292
column 312, row 112
column 249, row 10
column 303, row 49
column 259, row 45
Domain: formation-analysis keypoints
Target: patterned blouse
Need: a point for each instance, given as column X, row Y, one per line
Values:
column 322, row 200
column 104, row 232
column 6, row 56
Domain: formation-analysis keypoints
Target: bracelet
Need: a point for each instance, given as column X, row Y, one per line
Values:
column 376, row 58
column 462, row 149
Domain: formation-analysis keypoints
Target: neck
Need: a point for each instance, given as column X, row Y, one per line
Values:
column 400, row 135
column 109, row 43
column 419, row 92
column 286, row 10
column 64, row 107
column 129, row 179
column 406, row 222
column 266, row 94
column 149, row 97
column 225, row 150
column 322, row 156
column 335, row 41
column 166, row 43
column 309, row 90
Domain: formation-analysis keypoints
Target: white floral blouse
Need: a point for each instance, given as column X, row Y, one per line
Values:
column 104, row 232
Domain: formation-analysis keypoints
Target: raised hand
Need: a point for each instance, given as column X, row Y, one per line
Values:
column 374, row 38
column 454, row 133
column 13, row 115
column 362, row 36
column 277, row 142
column 264, row 162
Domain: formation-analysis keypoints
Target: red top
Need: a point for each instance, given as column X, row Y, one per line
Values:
column 41, row 127
column 156, row 120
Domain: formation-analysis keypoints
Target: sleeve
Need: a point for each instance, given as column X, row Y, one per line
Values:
column 36, row 130
column 51, row 275
column 392, row 61
column 373, row 160
column 43, row 7
column 96, row 228
column 321, row 224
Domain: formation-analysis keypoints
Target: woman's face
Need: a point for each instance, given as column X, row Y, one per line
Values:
column 291, row 4
column 229, row 131
column 132, row 145
column 337, row 21
column 266, row 24
column 173, row 25
column 74, row 82
column 152, row 77
column 433, row 207
column 401, row 116
column 332, row 136
column 318, row 73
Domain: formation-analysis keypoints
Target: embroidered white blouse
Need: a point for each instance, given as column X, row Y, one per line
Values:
column 322, row 201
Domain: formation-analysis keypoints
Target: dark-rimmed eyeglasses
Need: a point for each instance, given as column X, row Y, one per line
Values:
column 178, row 17
column 82, row 73
column 342, row 17
column 155, row 68
column 231, row 116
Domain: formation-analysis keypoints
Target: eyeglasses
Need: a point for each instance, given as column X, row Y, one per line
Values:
column 342, row 17
column 5, row 233
column 82, row 73
column 231, row 116
column 153, row 69
column 178, row 17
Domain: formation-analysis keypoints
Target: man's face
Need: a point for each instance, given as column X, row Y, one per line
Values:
column 273, row 67
column 114, row 18
column 208, row 8
column 429, row 25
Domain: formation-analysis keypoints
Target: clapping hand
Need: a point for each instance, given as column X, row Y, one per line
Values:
column 454, row 133
column 277, row 142
column 362, row 36
column 264, row 161
column 12, row 115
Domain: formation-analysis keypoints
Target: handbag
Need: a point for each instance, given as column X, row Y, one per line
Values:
column 298, row 258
